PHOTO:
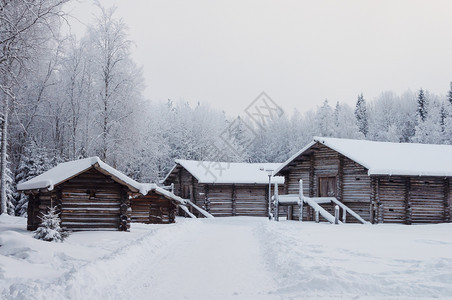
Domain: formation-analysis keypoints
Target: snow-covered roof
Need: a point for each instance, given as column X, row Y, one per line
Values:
column 229, row 173
column 148, row 187
column 68, row 170
column 384, row 158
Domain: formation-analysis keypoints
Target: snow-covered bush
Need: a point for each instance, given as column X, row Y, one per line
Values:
column 50, row 229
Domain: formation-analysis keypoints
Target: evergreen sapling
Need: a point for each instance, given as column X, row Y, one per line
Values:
column 50, row 229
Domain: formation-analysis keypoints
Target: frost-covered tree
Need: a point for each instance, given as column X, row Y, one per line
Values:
column 421, row 106
column 429, row 131
column 345, row 123
column 117, row 80
column 50, row 229
column 34, row 162
column 325, row 120
column 449, row 95
column 390, row 117
column 361, row 115
column 24, row 27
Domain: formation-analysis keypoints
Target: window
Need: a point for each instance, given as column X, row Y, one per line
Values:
column 327, row 186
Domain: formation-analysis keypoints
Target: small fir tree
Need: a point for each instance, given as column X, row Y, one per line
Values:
column 34, row 162
column 450, row 94
column 421, row 106
column 361, row 115
column 442, row 117
column 50, row 229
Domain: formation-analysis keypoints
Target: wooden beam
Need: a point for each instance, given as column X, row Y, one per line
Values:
column 408, row 209
column 180, row 182
column 309, row 211
column 206, row 198
column 446, row 183
column 311, row 176
column 340, row 179
column 373, row 200
column 234, row 201
column 380, row 206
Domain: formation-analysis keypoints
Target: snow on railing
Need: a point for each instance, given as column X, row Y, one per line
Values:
column 199, row 209
column 314, row 202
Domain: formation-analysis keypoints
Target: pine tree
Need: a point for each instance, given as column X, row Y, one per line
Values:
column 50, row 229
column 421, row 106
column 34, row 162
column 443, row 116
column 361, row 115
column 450, row 94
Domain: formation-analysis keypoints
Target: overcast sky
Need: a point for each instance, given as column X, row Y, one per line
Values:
column 299, row 52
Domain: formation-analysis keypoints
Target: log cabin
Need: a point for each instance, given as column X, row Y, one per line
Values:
column 155, row 205
column 87, row 193
column 91, row 195
column 223, row 188
column 383, row 182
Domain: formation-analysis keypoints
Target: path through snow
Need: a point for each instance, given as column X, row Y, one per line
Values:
column 221, row 259
column 230, row 258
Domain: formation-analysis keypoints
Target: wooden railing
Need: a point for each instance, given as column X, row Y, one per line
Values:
column 314, row 202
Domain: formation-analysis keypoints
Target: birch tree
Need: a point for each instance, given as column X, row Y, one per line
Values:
column 21, row 27
column 116, row 76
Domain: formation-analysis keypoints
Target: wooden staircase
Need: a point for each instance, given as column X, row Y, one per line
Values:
column 314, row 202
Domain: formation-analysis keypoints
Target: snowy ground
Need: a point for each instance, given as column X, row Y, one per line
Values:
column 229, row 258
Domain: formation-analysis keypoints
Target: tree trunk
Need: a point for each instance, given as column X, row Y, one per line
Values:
column 3, row 161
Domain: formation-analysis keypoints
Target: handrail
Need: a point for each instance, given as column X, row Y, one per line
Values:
column 329, row 217
column 347, row 209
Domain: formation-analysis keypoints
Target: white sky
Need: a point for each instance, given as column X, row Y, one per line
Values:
column 299, row 52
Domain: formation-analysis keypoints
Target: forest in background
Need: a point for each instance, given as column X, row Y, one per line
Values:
column 64, row 98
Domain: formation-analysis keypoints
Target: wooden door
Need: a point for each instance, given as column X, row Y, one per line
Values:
column 327, row 186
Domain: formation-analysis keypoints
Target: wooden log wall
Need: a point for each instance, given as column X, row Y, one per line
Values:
column 219, row 198
column 153, row 209
column 237, row 200
column 252, row 200
column 427, row 199
column 38, row 204
column 92, row 201
column 299, row 170
column 391, row 194
column 447, row 199
column 356, row 189
column 408, row 200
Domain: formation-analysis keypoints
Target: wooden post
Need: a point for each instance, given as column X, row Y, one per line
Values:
column 206, row 199
column 124, row 213
column 301, row 201
column 317, row 217
column 340, row 179
column 311, row 176
column 290, row 212
column 31, row 211
column 276, row 201
column 311, row 184
column 336, row 214
column 180, row 183
column 408, row 209
column 234, row 201
column 446, row 183
column 344, row 216
column 380, row 207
